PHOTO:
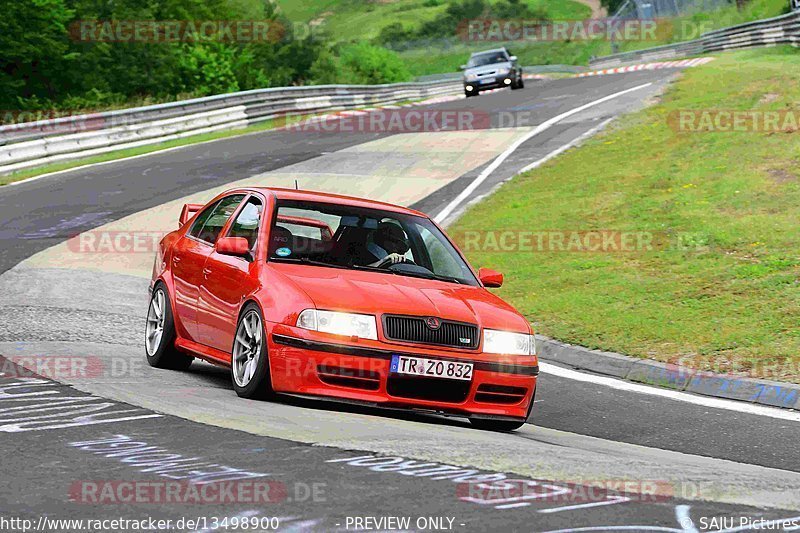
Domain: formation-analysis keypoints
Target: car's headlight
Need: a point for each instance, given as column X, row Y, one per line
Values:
column 471, row 77
column 503, row 71
column 348, row 324
column 508, row 343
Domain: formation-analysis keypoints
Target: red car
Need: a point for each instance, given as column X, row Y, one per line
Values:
column 322, row 295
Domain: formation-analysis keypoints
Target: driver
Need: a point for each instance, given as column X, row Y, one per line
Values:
column 389, row 243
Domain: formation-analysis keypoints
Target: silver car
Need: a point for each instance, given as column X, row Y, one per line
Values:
column 490, row 70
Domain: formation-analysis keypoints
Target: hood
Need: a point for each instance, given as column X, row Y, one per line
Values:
column 486, row 69
column 376, row 293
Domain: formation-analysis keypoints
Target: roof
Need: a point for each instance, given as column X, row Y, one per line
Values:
column 489, row 51
column 315, row 196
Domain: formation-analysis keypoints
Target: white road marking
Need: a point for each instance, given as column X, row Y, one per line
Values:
column 705, row 401
column 467, row 192
column 610, row 500
column 684, row 519
column 566, row 147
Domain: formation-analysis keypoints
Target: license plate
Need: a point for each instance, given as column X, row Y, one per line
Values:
column 487, row 80
column 434, row 368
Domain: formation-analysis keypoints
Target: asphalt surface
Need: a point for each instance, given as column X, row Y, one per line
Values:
column 43, row 466
column 126, row 473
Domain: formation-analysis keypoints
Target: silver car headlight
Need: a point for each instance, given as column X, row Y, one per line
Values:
column 471, row 77
column 347, row 324
column 503, row 71
column 508, row 343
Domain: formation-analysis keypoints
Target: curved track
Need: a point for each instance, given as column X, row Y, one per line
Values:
column 59, row 304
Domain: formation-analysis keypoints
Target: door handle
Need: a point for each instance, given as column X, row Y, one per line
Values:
column 176, row 259
column 206, row 272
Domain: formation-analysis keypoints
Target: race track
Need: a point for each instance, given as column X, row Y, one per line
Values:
column 331, row 464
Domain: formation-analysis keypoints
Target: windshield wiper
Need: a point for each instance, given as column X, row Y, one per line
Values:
column 305, row 261
column 424, row 275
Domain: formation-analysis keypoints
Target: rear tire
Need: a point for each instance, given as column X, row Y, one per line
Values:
column 249, row 356
column 159, row 336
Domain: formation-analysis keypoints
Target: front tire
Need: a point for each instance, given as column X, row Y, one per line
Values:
column 159, row 335
column 249, row 358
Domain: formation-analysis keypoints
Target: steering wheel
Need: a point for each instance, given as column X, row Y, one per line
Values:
column 387, row 261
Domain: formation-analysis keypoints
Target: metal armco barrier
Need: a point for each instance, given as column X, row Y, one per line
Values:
column 768, row 32
column 32, row 144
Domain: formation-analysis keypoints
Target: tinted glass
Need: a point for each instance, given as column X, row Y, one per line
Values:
column 362, row 239
column 247, row 222
column 211, row 221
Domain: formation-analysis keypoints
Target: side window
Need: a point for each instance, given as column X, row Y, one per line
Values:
column 246, row 224
column 210, row 222
column 201, row 219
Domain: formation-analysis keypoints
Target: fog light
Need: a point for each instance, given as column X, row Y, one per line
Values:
column 507, row 81
column 468, row 87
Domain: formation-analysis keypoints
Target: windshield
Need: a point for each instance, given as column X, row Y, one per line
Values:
column 488, row 58
column 341, row 236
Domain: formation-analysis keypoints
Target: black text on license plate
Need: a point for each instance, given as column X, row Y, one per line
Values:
column 434, row 368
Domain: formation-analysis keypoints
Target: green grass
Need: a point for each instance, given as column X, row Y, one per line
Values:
column 730, row 303
column 691, row 27
column 347, row 20
column 430, row 60
column 443, row 58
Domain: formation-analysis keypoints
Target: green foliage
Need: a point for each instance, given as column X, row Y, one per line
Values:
column 448, row 23
column 34, row 48
column 359, row 63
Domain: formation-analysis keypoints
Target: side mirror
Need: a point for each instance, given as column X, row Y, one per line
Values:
column 235, row 246
column 490, row 278
column 462, row 67
column 512, row 58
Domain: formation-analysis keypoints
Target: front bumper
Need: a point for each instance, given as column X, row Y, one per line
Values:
column 301, row 365
column 504, row 81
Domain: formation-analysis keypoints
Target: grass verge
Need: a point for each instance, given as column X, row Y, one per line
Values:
column 720, row 290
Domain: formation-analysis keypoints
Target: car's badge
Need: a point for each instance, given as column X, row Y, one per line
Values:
column 463, row 340
column 433, row 323
column 283, row 252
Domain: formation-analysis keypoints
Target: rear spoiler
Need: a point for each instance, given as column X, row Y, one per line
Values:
column 188, row 212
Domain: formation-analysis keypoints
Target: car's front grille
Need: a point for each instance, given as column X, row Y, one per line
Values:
column 492, row 73
column 431, row 389
column 417, row 329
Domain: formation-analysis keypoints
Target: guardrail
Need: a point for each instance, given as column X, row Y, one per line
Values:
column 33, row 144
column 784, row 29
column 531, row 69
